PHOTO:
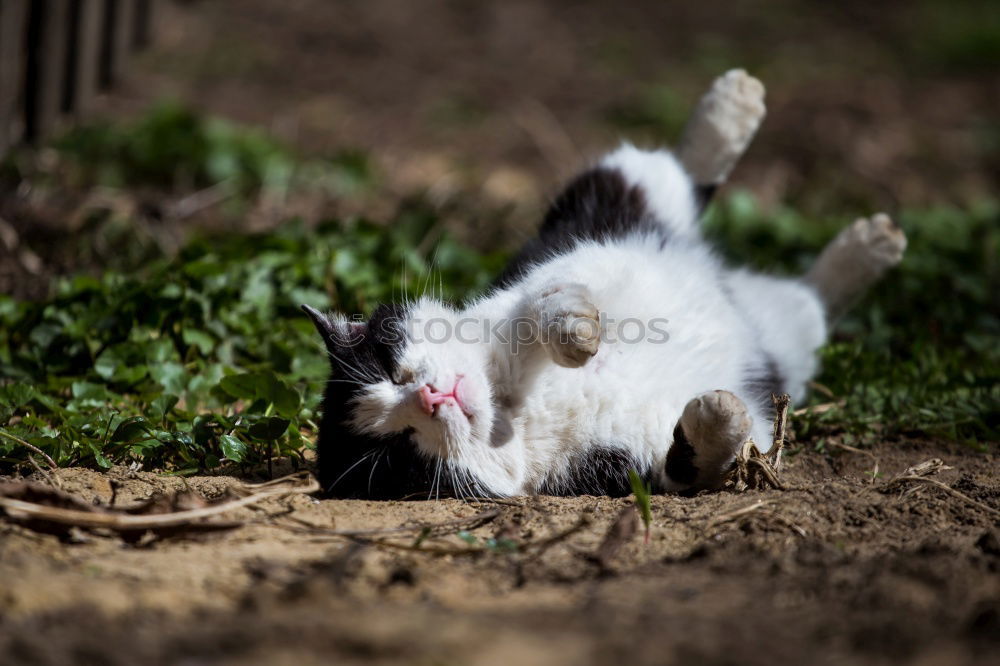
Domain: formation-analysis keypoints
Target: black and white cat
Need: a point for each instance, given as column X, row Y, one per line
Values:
column 616, row 339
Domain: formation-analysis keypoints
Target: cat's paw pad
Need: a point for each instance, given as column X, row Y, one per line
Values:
column 877, row 241
column 717, row 423
column 737, row 104
column 721, row 127
column 570, row 324
column 707, row 437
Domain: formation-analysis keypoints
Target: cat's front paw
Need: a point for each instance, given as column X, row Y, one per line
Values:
column 570, row 324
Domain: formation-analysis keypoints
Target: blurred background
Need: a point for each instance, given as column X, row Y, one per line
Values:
column 870, row 103
column 482, row 108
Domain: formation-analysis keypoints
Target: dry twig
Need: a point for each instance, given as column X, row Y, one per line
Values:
column 50, row 478
column 93, row 517
column 29, row 445
column 820, row 408
column 920, row 474
column 781, row 403
column 739, row 513
column 752, row 470
column 755, row 470
column 469, row 523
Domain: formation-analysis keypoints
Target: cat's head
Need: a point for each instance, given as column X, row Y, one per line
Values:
column 408, row 408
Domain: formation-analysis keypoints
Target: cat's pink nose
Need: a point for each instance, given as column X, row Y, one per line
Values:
column 430, row 398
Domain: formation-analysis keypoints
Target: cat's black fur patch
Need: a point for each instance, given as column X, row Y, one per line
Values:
column 764, row 381
column 353, row 465
column 602, row 470
column 597, row 205
column 680, row 465
column 703, row 195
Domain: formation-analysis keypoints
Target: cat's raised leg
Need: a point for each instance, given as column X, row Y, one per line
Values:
column 708, row 435
column 720, row 130
column 854, row 261
column 569, row 324
column 558, row 323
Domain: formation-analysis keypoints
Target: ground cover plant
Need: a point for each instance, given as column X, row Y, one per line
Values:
column 201, row 359
column 188, row 361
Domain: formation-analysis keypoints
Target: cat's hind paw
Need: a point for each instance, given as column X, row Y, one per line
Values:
column 570, row 324
column 711, row 430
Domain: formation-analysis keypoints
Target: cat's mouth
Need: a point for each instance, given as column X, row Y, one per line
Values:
column 432, row 399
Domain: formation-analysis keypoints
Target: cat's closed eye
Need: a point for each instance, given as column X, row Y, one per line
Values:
column 403, row 376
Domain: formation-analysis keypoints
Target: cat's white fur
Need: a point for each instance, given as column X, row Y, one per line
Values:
column 529, row 415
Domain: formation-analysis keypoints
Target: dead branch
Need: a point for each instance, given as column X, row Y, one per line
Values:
column 755, row 470
column 781, row 403
column 469, row 523
column 739, row 513
column 28, row 445
column 119, row 520
column 752, row 470
column 51, row 479
column 820, row 408
column 896, row 481
column 541, row 546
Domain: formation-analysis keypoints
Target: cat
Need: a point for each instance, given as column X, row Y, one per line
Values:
column 616, row 339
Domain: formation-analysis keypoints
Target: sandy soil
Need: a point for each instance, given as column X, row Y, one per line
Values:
column 835, row 570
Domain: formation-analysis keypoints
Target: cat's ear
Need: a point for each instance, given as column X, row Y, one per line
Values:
column 335, row 330
column 320, row 321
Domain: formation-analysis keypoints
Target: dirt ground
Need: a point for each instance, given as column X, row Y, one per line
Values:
column 836, row 569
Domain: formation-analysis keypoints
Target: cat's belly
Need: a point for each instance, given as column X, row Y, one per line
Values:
column 670, row 333
column 629, row 397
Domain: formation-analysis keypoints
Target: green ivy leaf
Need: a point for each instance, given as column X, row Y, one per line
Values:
column 269, row 429
column 130, row 429
column 200, row 339
column 233, row 448
column 16, row 395
column 161, row 406
column 171, row 376
column 244, row 386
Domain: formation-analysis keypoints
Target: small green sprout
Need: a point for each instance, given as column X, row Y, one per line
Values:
column 642, row 491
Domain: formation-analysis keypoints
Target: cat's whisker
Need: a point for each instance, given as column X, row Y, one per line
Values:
column 435, row 485
column 378, row 459
column 348, row 470
column 360, row 375
column 472, row 494
column 451, row 479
